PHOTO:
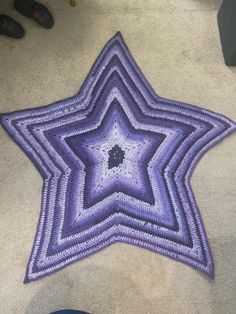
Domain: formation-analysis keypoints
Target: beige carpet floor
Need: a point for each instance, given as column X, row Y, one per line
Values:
column 176, row 44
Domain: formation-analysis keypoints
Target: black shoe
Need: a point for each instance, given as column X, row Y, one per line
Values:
column 36, row 11
column 10, row 27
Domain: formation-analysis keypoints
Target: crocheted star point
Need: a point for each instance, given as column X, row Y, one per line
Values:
column 116, row 161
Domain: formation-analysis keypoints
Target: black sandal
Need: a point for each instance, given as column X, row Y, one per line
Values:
column 10, row 27
column 36, row 11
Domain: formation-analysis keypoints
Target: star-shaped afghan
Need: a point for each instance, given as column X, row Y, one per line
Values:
column 116, row 161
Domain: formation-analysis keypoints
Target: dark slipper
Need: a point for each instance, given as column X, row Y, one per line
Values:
column 10, row 27
column 36, row 11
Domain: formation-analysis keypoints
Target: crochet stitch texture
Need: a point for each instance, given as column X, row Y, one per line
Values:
column 116, row 161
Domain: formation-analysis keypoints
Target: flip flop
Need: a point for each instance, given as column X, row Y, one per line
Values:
column 10, row 28
column 36, row 11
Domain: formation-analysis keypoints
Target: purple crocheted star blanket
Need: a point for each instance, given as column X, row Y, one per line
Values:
column 116, row 161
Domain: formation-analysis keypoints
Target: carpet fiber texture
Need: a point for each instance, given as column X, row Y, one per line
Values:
column 177, row 46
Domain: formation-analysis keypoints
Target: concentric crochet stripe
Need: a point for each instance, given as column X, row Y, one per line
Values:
column 116, row 161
